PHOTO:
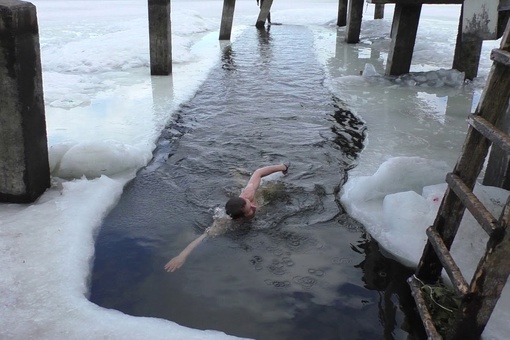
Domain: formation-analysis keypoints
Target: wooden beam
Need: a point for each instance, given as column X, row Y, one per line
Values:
column 500, row 56
column 483, row 216
column 453, row 271
column 496, row 136
column 227, row 19
column 403, row 38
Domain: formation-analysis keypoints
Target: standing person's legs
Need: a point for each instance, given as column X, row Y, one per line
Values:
column 269, row 14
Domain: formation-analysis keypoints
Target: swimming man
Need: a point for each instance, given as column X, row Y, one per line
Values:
column 243, row 206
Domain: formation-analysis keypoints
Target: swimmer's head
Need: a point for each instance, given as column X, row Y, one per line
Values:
column 235, row 207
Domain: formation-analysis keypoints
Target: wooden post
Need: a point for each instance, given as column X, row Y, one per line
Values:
column 403, row 37
column 227, row 19
column 24, row 165
column 160, row 32
column 265, row 9
column 355, row 14
column 342, row 13
column 379, row 11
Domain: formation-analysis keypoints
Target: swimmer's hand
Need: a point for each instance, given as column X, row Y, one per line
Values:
column 175, row 263
column 179, row 260
column 287, row 166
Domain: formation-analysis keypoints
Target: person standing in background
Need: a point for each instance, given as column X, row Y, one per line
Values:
column 260, row 3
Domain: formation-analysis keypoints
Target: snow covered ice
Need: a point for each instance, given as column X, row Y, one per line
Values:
column 104, row 113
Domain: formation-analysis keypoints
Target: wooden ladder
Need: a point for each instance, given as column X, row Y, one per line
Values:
column 478, row 298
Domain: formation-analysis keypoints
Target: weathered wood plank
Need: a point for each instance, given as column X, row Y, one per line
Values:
column 500, row 56
column 496, row 136
column 483, row 216
column 487, row 284
column 453, row 271
column 426, row 318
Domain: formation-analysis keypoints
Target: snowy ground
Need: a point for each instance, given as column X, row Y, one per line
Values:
column 104, row 113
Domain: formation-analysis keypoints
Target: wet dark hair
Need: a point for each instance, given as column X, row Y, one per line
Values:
column 234, row 207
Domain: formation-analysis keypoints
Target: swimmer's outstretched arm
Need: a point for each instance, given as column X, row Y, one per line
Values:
column 179, row 260
column 254, row 182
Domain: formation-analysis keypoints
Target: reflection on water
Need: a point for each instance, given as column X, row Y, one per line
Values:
column 292, row 271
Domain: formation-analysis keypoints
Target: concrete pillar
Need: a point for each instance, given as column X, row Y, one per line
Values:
column 355, row 15
column 227, row 18
column 379, row 11
column 342, row 13
column 24, row 166
column 403, row 38
column 160, row 32
column 468, row 50
column 265, row 9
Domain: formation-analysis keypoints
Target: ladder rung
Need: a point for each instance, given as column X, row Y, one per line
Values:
column 453, row 271
column 500, row 56
column 491, row 132
column 475, row 207
column 426, row 318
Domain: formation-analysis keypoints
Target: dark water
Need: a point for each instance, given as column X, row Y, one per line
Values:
column 302, row 268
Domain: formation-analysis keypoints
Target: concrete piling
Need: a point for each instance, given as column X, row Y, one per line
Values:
column 355, row 14
column 24, row 165
column 379, row 11
column 160, row 37
column 468, row 50
column 342, row 13
column 227, row 19
column 403, row 38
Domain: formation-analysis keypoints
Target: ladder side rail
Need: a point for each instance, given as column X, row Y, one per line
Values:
column 469, row 165
column 487, row 284
column 428, row 323
column 482, row 215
